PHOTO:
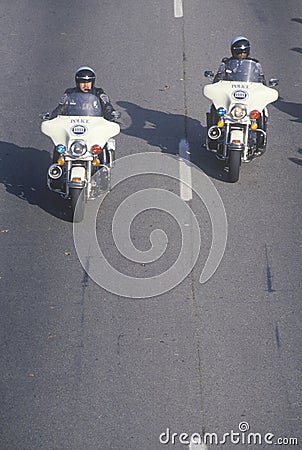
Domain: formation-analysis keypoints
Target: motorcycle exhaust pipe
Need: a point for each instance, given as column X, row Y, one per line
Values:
column 55, row 171
column 214, row 132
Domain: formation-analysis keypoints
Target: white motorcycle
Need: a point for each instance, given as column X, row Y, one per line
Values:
column 240, row 113
column 84, row 151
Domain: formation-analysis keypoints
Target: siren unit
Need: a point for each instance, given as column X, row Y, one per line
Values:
column 55, row 171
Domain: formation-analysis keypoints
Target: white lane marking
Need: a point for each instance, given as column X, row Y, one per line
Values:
column 178, row 9
column 193, row 446
column 185, row 171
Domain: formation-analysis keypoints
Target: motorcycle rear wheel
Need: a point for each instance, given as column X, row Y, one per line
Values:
column 77, row 204
column 234, row 165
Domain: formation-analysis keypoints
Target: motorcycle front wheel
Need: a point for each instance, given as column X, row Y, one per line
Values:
column 234, row 165
column 77, row 197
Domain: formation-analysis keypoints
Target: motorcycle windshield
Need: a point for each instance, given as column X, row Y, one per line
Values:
column 82, row 104
column 243, row 70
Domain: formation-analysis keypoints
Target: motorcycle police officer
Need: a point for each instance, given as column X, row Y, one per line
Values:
column 85, row 79
column 240, row 49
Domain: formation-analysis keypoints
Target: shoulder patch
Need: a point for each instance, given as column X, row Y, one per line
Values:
column 63, row 99
column 221, row 68
column 104, row 98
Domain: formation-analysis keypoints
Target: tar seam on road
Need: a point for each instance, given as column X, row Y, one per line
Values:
column 197, row 327
column 184, row 150
column 277, row 335
column 184, row 70
column 194, row 302
column 269, row 278
column 79, row 354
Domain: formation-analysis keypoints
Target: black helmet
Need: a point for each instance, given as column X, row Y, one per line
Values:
column 84, row 75
column 240, row 44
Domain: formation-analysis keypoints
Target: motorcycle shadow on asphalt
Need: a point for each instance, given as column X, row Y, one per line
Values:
column 290, row 108
column 166, row 130
column 23, row 172
column 297, row 160
column 293, row 110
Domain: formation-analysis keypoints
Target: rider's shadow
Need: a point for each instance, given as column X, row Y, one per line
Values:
column 297, row 49
column 166, row 131
column 292, row 109
column 297, row 160
column 23, row 172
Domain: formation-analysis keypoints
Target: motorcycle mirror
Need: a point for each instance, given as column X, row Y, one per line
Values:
column 208, row 73
column 44, row 116
column 273, row 82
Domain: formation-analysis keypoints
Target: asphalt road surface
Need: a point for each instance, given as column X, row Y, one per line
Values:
column 84, row 368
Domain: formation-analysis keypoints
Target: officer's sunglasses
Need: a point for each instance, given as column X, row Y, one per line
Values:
column 238, row 51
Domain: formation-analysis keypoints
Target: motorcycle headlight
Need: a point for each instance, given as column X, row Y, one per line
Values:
column 78, row 148
column 238, row 112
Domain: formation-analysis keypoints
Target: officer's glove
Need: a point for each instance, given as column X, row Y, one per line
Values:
column 45, row 116
column 115, row 115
